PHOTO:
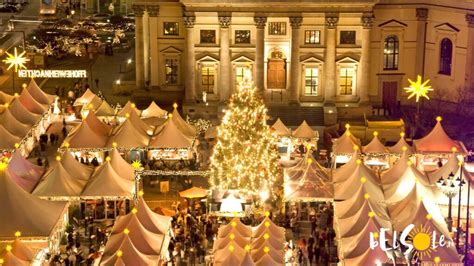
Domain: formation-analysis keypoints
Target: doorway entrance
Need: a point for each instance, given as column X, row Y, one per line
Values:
column 389, row 96
column 276, row 72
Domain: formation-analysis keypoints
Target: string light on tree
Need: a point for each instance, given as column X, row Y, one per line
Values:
column 245, row 157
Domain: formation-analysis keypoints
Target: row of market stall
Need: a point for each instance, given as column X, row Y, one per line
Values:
column 135, row 131
column 23, row 117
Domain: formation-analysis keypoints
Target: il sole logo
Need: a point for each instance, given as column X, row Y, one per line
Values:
column 414, row 242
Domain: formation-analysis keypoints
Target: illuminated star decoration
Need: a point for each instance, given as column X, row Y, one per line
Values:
column 418, row 89
column 137, row 165
column 16, row 60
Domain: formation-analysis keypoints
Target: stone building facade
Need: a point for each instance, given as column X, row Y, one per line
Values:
column 307, row 52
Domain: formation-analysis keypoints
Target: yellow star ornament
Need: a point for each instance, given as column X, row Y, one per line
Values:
column 16, row 60
column 136, row 165
column 418, row 89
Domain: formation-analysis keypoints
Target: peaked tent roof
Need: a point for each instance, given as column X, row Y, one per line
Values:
column 9, row 259
column 130, row 255
column 304, row 131
column 22, row 251
column 144, row 241
column 106, row 182
column 374, row 146
column 187, row 129
column 96, row 124
column 104, row 109
column 22, row 114
column 170, row 137
column 345, row 143
column 38, row 94
column 75, row 168
column 58, row 182
column 91, row 133
column 129, row 108
column 24, row 173
column 280, row 129
column 362, row 176
column 398, row 147
column 87, row 98
column 140, row 124
column 194, row 192
column 31, row 104
column 153, row 110
column 437, row 141
column 7, row 139
column 26, row 213
column 451, row 166
column 128, row 136
column 120, row 165
column 12, row 124
column 5, row 97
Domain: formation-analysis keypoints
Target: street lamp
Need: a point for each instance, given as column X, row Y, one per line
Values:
column 449, row 189
column 460, row 182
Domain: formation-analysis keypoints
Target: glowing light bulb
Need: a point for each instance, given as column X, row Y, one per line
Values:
column 58, row 158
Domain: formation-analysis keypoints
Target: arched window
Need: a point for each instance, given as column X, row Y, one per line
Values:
column 446, row 56
column 390, row 53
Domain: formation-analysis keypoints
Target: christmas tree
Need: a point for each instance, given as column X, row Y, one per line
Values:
column 245, row 157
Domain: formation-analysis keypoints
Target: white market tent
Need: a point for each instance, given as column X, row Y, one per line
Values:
column 280, row 129
column 87, row 99
column 374, row 146
column 12, row 124
column 437, row 141
column 153, row 110
column 64, row 180
column 304, row 131
column 399, row 146
column 24, row 173
column 171, row 137
column 22, row 114
column 31, row 104
column 127, row 254
column 105, row 109
column 140, row 124
column 38, row 94
column 129, row 108
column 19, row 254
column 128, row 136
column 6, row 98
column 307, row 181
column 91, row 133
column 187, row 129
column 7, row 139
column 21, row 211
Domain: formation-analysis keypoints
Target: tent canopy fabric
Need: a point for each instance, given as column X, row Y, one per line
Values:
column 304, row 131
column 26, row 213
column 12, row 124
column 106, row 182
column 105, row 109
column 6, row 98
column 437, row 141
column 22, row 114
column 87, row 98
column 38, row 94
column 31, row 104
column 183, row 126
column 280, row 129
column 193, row 193
column 374, row 146
column 170, row 137
column 398, row 147
column 153, row 110
column 345, row 143
column 129, row 108
column 24, row 173
column 128, row 136
column 7, row 139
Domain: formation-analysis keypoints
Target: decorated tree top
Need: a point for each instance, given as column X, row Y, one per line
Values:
column 245, row 157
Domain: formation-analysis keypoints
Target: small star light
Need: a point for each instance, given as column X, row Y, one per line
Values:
column 366, row 196
column 134, row 211
column 17, row 234
column 231, row 248
column 119, row 253
column 437, row 259
column 136, row 165
column 2, row 261
column 266, row 236
column 126, row 231
column 266, row 249
column 3, row 165
column 141, row 193
column 363, row 179
column 267, row 224
column 247, row 247
column 16, row 60
column 233, row 224
column 418, row 89
column 428, row 216
column 371, row 214
column 8, row 248
column 376, row 235
column 232, row 236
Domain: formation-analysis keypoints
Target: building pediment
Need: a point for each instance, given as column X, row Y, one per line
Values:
column 243, row 58
column 311, row 59
column 348, row 59
column 207, row 58
column 171, row 50
column 393, row 23
column 446, row 27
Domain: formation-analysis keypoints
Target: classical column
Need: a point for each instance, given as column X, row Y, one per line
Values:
column 224, row 54
column 367, row 21
column 295, row 74
column 470, row 54
column 421, row 15
column 151, row 60
column 138, row 10
column 190, row 80
column 260, row 54
column 330, row 58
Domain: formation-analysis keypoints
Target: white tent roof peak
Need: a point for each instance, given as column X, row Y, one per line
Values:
column 38, row 94
column 280, row 129
column 305, row 131
column 153, row 110
column 374, row 146
column 438, row 141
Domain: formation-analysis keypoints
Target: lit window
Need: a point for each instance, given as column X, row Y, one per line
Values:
column 208, row 36
column 390, row 53
column 446, row 56
column 242, row 36
column 171, row 71
column 347, row 37
column 208, row 75
column 277, row 28
column 346, row 80
column 311, row 36
column 311, row 81
column 171, row 28
column 239, row 74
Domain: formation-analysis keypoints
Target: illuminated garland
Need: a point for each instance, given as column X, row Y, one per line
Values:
column 245, row 157
column 169, row 172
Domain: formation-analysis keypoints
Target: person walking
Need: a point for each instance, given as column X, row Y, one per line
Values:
column 310, row 249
